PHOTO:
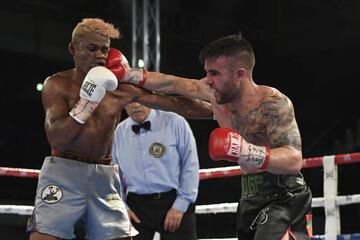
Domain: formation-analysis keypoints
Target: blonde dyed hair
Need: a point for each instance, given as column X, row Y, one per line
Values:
column 96, row 25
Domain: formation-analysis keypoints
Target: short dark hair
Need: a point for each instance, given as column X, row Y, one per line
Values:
column 229, row 46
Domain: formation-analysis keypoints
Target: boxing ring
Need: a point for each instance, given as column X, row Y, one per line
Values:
column 330, row 201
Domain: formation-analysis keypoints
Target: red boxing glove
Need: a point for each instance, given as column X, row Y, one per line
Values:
column 119, row 65
column 228, row 144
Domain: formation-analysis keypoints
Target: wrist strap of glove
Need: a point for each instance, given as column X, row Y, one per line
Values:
column 255, row 156
column 136, row 76
column 266, row 160
column 82, row 110
column 144, row 78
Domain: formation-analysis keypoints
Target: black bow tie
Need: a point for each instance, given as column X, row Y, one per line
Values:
column 136, row 128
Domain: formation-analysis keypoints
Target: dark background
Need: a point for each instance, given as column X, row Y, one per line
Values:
column 309, row 50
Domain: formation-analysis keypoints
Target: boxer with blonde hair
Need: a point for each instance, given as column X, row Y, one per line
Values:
column 82, row 108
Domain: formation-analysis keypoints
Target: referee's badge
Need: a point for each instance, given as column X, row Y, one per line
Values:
column 157, row 149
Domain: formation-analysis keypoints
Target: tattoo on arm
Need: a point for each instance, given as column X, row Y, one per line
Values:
column 282, row 129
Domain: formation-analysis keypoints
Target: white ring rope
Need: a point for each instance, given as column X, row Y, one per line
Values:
column 200, row 209
column 231, row 207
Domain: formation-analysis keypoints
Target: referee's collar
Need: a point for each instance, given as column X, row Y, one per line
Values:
column 150, row 118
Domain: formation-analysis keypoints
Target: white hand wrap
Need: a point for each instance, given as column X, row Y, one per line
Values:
column 247, row 153
column 135, row 76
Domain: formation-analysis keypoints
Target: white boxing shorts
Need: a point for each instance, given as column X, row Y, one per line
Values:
column 70, row 190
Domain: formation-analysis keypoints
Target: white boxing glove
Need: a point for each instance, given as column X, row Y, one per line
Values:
column 97, row 81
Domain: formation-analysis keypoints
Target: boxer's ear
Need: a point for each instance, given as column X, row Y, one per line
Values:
column 71, row 48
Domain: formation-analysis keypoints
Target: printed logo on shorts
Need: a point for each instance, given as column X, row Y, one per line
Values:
column 114, row 201
column 157, row 149
column 260, row 219
column 51, row 194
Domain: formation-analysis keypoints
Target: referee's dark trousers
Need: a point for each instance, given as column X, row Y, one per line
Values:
column 151, row 209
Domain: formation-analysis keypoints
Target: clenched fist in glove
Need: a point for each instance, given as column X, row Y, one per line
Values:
column 119, row 65
column 97, row 81
column 228, row 144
